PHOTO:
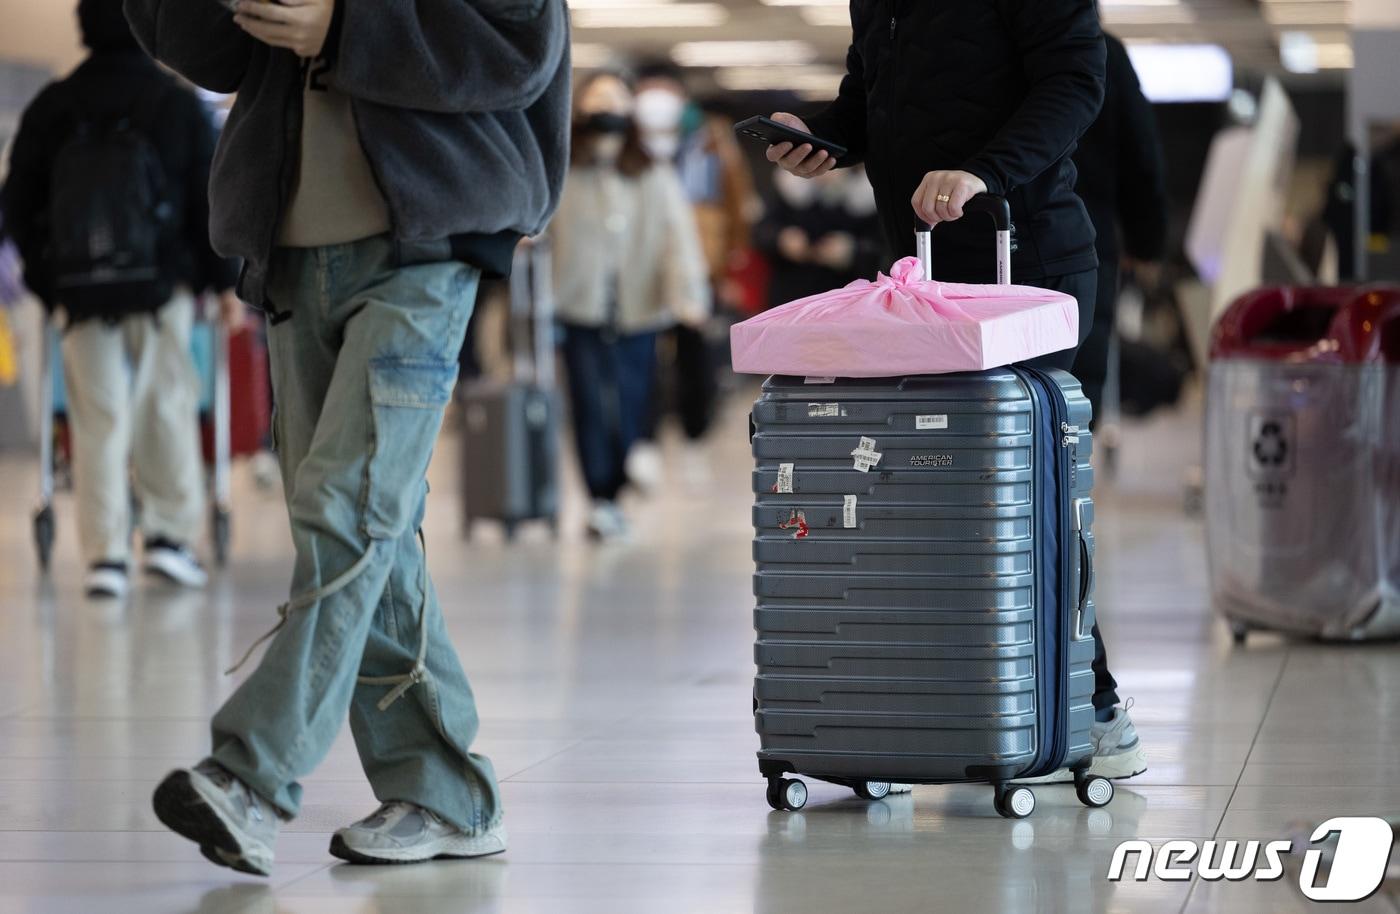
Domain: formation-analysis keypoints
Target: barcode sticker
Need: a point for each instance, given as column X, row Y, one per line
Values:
column 865, row 455
column 848, row 512
column 824, row 411
column 924, row 423
column 785, row 478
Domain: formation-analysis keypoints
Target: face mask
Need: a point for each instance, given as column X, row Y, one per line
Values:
column 663, row 146
column 659, row 110
column 606, row 123
column 606, row 147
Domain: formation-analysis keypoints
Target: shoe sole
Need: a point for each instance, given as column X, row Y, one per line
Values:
column 1116, row 768
column 181, row 809
column 345, row 852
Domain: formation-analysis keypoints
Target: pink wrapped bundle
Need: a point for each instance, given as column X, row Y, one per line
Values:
column 903, row 324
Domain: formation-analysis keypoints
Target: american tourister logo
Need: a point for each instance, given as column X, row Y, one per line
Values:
column 1358, row 863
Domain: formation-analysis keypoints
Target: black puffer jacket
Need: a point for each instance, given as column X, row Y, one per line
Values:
column 999, row 88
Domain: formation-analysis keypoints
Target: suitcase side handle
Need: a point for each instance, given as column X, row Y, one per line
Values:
column 1086, row 571
column 993, row 205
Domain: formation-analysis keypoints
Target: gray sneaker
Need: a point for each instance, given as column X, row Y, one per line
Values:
column 1118, row 752
column 233, row 826
column 400, row 832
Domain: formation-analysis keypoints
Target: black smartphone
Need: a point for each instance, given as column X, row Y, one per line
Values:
column 773, row 133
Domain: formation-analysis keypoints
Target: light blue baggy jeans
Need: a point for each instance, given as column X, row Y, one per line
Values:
column 362, row 369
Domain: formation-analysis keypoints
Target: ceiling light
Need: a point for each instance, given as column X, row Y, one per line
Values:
column 839, row 16
column 816, row 80
column 649, row 16
column 1338, row 14
column 588, row 56
column 1183, row 72
column 1302, row 52
column 742, row 53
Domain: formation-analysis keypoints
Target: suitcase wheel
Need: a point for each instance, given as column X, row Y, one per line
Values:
column 1014, row 802
column 787, row 794
column 872, row 790
column 43, row 535
column 1239, row 632
column 1094, row 791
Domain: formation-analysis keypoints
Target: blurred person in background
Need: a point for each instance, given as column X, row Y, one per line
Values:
column 628, row 265
column 719, row 185
column 379, row 160
column 819, row 234
column 950, row 100
column 107, row 200
column 1122, row 181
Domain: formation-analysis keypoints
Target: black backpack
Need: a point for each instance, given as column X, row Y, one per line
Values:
column 110, row 216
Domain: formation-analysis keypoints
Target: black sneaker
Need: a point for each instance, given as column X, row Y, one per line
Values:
column 107, row 581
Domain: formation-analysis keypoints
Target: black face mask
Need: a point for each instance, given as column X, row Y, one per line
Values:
column 605, row 122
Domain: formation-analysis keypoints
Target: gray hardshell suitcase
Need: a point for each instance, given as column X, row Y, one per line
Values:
column 510, row 441
column 924, row 555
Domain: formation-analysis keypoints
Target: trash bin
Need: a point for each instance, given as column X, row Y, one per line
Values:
column 1303, row 462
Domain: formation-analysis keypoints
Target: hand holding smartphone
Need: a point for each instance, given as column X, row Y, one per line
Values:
column 791, row 146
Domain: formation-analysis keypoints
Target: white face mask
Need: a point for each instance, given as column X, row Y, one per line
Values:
column 659, row 110
column 662, row 146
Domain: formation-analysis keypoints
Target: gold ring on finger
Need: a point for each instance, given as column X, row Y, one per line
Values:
column 943, row 198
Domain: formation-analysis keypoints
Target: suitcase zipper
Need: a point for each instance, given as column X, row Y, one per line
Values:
column 1046, row 393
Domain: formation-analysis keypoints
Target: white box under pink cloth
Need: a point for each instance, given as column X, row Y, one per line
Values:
column 902, row 324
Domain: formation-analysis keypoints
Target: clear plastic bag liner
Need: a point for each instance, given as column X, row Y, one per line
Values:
column 1303, row 495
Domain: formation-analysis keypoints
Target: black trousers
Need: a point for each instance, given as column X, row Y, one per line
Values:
column 1091, row 362
column 1084, row 287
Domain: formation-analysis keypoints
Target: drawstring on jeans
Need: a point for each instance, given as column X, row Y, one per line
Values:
column 401, row 683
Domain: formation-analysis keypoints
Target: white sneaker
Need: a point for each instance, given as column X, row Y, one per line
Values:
column 233, row 826
column 106, row 580
column 606, row 522
column 646, row 469
column 175, row 563
column 901, row 788
column 1118, row 752
column 401, row 832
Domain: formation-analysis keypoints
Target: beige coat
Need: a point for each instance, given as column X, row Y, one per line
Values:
column 641, row 231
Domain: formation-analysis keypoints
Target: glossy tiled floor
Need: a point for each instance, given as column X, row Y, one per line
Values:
column 615, row 685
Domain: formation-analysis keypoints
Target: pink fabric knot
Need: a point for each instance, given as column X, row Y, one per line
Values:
column 907, row 271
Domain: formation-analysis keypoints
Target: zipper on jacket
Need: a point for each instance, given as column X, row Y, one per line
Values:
column 291, row 133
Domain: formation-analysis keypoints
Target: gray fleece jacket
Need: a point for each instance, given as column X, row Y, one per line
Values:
column 462, row 108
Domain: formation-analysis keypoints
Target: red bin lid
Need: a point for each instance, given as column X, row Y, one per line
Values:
column 1343, row 324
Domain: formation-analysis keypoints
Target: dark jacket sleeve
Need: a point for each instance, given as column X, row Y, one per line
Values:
column 843, row 121
column 196, row 38
column 1142, row 180
column 1062, row 53
column 210, row 270
column 24, row 198
column 449, row 56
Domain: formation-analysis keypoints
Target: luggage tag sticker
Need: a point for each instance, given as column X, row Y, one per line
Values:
column 866, row 457
column 825, row 410
column 797, row 523
column 925, row 423
column 818, row 380
column 848, row 512
column 784, row 486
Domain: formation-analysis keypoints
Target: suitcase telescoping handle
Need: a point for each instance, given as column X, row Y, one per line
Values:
column 994, row 206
